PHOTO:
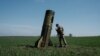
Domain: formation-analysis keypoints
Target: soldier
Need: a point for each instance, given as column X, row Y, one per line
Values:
column 60, row 33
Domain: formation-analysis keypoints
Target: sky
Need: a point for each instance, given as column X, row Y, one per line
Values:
column 25, row 17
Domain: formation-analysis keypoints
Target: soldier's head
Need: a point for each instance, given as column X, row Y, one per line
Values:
column 57, row 25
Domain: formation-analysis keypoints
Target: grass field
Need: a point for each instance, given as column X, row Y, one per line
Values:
column 77, row 46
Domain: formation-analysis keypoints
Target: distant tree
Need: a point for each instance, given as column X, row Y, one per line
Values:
column 70, row 35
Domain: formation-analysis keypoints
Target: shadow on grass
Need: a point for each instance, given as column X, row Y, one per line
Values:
column 32, row 46
column 26, row 46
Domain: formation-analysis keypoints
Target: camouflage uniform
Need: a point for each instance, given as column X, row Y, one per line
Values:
column 60, row 34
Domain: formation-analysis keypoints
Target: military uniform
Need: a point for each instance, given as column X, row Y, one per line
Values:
column 60, row 33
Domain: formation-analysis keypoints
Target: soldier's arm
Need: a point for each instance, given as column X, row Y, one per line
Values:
column 62, row 30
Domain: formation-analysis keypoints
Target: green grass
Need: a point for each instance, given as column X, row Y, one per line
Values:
column 79, row 46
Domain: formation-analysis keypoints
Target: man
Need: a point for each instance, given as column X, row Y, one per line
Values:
column 60, row 33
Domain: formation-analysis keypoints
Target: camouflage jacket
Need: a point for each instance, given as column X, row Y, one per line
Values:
column 60, row 30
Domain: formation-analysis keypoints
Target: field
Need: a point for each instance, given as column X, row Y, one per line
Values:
column 22, row 46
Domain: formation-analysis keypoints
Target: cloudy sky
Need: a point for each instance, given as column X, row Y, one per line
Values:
column 25, row 17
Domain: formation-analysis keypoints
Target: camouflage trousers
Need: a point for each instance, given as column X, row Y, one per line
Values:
column 62, row 39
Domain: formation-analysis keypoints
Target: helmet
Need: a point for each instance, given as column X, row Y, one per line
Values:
column 57, row 24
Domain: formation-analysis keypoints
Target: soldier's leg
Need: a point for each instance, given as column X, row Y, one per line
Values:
column 60, row 44
column 64, row 40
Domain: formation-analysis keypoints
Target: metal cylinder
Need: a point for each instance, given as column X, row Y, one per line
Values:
column 46, row 29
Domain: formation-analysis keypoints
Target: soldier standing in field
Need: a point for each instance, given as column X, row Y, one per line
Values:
column 60, row 33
